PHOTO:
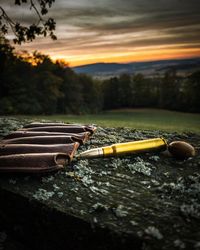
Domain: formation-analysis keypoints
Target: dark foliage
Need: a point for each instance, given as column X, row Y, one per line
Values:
column 25, row 33
column 168, row 92
column 45, row 87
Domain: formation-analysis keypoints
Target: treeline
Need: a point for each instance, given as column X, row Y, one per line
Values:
column 167, row 92
column 33, row 84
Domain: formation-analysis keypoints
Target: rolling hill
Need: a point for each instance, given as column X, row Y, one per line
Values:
column 150, row 68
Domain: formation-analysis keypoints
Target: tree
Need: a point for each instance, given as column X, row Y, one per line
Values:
column 144, row 91
column 71, row 100
column 191, row 93
column 47, row 91
column 91, row 94
column 25, row 33
column 125, row 91
column 111, row 97
column 169, row 90
column 7, row 60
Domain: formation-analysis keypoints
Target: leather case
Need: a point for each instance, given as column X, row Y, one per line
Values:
column 42, row 147
column 69, row 128
column 18, row 134
column 33, row 163
column 68, row 149
column 90, row 128
column 50, row 139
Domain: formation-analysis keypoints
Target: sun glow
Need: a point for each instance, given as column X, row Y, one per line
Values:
column 142, row 54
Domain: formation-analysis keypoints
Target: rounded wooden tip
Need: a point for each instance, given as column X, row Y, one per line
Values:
column 181, row 150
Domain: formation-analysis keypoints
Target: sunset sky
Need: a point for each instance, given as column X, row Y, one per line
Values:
column 90, row 31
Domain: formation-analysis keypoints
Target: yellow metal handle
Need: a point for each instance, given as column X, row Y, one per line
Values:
column 135, row 147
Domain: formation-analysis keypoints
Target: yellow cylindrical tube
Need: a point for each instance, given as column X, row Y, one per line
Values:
column 107, row 150
column 155, row 144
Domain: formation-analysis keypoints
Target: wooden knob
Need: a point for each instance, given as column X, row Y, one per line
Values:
column 181, row 150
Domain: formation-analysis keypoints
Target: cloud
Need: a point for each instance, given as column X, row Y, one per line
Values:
column 104, row 25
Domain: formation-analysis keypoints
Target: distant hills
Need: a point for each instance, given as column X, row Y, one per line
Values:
column 150, row 68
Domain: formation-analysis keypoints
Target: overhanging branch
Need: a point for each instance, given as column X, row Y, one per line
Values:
column 28, row 33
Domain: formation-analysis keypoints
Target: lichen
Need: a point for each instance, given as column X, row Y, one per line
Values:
column 191, row 210
column 95, row 220
column 12, row 181
column 42, row 194
column 10, row 124
column 48, row 179
column 155, row 182
column 179, row 243
column 55, row 187
column 79, row 199
column 140, row 166
column 99, row 207
column 154, row 232
column 186, row 189
column 120, row 211
column 60, row 194
column 87, row 180
column 133, row 223
column 154, row 158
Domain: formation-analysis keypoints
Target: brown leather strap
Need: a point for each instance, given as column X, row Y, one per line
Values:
column 42, row 147
column 68, row 149
column 57, row 139
column 33, row 163
column 63, row 129
column 46, row 124
column 17, row 134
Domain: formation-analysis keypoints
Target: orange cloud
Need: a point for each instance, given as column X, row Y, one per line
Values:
column 145, row 54
column 91, row 31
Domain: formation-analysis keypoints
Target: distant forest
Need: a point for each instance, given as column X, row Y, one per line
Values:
column 34, row 84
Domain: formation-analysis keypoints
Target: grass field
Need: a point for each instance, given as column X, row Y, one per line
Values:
column 135, row 118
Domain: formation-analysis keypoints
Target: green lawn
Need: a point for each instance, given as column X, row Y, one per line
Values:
column 135, row 118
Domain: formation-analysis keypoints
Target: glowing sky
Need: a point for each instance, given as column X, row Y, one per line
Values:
column 92, row 31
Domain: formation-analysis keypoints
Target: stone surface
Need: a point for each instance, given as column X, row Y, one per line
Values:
column 147, row 201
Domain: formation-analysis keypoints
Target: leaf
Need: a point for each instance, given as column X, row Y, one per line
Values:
column 53, row 37
column 4, row 29
column 17, row 2
column 44, row 11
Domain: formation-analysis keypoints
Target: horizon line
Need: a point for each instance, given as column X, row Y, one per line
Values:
column 138, row 61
